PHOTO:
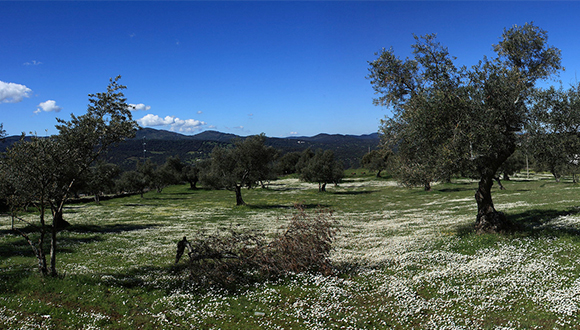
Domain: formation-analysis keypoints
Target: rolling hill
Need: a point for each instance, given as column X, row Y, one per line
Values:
column 157, row 145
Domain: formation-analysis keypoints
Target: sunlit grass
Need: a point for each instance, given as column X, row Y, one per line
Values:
column 405, row 258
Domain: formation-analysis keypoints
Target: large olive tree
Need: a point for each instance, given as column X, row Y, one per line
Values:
column 448, row 119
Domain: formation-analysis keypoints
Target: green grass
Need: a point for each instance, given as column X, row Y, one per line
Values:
column 405, row 258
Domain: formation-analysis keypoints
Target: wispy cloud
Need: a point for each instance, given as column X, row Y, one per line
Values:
column 174, row 123
column 140, row 106
column 48, row 106
column 293, row 133
column 239, row 128
column 13, row 93
column 199, row 112
column 33, row 62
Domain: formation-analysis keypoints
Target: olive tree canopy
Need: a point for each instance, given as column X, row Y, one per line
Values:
column 243, row 165
column 448, row 119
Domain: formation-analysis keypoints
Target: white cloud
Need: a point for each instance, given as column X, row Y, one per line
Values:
column 13, row 93
column 33, row 62
column 140, row 106
column 155, row 120
column 175, row 123
column 293, row 133
column 48, row 106
column 199, row 112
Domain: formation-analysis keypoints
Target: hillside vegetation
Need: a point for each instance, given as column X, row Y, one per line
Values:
column 403, row 259
column 161, row 144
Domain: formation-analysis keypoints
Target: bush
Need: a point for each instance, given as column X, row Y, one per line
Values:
column 243, row 256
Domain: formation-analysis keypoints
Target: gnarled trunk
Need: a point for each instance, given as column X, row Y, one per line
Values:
column 239, row 200
column 488, row 219
column 58, row 222
column 193, row 184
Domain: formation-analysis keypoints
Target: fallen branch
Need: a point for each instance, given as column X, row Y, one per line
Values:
column 241, row 256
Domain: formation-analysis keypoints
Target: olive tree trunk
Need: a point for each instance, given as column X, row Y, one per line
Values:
column 239, row 200
column 488, row 219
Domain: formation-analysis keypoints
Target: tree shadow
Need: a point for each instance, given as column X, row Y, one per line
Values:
column 171, row 198
column 280, row 206
column 354, row 193
column 458, row 189
column 532, row 223
column 283, row 188
column 537, row 222
column 10, row 278
column 140, row 277
column 18, row 248
column 66, row 244
column 104, row 229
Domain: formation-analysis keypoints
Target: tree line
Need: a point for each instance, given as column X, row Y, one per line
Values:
column 246, row 163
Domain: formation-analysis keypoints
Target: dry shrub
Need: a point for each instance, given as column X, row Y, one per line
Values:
column 242, row 256
column 304, row 246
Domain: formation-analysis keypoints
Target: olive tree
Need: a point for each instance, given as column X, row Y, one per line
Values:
column 376, row 160
column 554, row 129
column 244, row 164
column 320, row 167
column 44, row 170
column 448, row 119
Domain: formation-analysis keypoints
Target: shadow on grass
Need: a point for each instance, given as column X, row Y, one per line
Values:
column 537, row 221
column 272, row 188
column 103, row 229
column 280, row 206
column 534, row 223
column 354, row 193
column 19, row 247
column 457, row 189
column 141, row 277
column 12, row 277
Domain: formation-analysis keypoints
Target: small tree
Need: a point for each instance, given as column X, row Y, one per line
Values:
column 376, row 160
column 132, row 181
column 286, row 164
column 320, row 167
column 244, row 165
column 190, row 173
column 167, row 174
column 45, row 169
column 99, row 179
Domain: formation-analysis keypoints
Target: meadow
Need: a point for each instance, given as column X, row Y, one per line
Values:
column 404, row 259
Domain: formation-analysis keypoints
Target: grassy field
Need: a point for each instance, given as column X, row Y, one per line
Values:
column 405, row 259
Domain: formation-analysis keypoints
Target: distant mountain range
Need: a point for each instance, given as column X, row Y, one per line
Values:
column 157, row 145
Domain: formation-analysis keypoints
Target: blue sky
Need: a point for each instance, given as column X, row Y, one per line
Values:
column 282, row 68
